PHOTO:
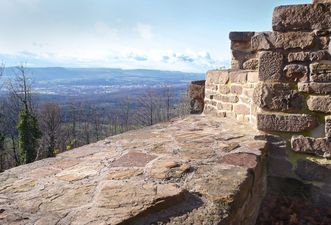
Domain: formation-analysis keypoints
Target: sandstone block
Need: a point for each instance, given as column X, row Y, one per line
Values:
column 279, row 40
column 217, row 76
column 328, row 127
column 251, row 64
column 252, row 77
column 319, row 55
column 241, row 109
column 229, row 98
column 321, row 1
column 270, row 66
column 224, row 106
column 297, row 56
column 285, row 122
column 236, row 89
column 238, row 76
column 241, row 36
column 317, row 146
column 224, row 89
column 321, row 71
column 302, row 17
column 320, row 103
column 315, row 88
column 296, row 72
column 277, row 97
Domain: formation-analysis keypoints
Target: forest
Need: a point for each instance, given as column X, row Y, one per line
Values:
column 34, row 126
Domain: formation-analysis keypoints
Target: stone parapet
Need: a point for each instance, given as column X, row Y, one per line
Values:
column 289, row 90
column 197, row 170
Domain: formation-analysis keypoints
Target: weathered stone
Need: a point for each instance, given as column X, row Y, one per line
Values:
column 229, row 98
column 320, row 103
column 217, row 77
column 167, row 168
column 319, row 55
column 241, row 36
column 224, row 106
column 285, row 122
column 133, row 159
column 240, row 159
column 252, row 77
column 297, row 56
column 321, row 1
column 251, row 64
column 328, row 127
column 271, row 66
column 321, row 71
column 240, row 56
column 238, row 76
column 236, row 89
column 197, row 96
column 224, row 89
column 241, row 109
column 315, row 88
column 317, row 146
column 313, row 171
column 302, row 17
column 279, row 40
column 296, row 72
column 277, row 97
column 241, row 46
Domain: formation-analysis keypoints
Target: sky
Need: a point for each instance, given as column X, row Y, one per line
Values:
column 181, row 35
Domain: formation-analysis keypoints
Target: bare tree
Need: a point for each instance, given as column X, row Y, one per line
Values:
column 148, row 110
column 50, row 124
column 125, row 107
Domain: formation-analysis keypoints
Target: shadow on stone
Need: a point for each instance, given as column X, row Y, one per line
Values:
column 164, row 210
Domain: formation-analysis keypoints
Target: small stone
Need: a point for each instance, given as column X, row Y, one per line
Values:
column 251, row 64
column 320, row 103
column 252, row 77
column 321, row 71
column 328, row 127
column 285, row 122
column 224, row 89
column 297, row 56
column 315, row 88
column 296, row 72
column 319, row 55
column 317, row 146
column 270, row 66
column 236, row 89
column 237, row 76
column 241, row 109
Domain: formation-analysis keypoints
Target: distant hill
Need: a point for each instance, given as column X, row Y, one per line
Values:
column 73, row 81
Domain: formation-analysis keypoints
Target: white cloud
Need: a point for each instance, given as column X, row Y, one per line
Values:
column 103, row 29
column 144, row 31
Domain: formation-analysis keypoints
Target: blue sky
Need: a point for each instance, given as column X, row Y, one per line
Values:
column 185, row 35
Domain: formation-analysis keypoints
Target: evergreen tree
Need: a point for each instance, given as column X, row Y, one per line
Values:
column 29, row 133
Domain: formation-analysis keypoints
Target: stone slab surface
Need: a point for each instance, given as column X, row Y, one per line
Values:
column 187, row 171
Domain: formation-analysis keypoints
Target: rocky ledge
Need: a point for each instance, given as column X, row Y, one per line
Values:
column 197, row 170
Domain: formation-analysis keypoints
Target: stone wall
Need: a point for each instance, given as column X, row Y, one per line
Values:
column 280, row 82
column 229, row 94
